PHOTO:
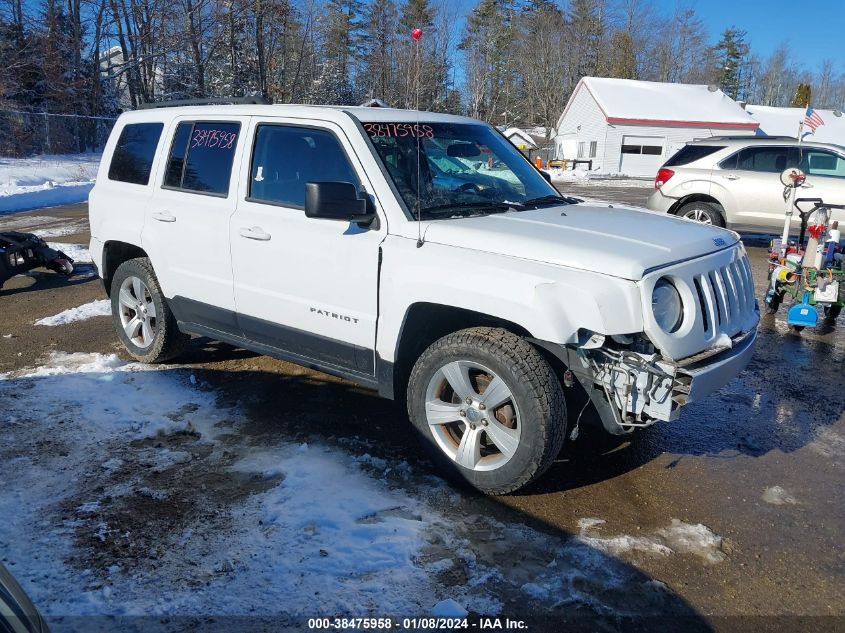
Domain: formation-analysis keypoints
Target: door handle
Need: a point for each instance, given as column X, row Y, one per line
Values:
column 732, row 177
column 255, row 233
column 164, row 216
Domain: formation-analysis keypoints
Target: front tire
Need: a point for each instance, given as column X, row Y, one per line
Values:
column 141, row 316
column 704, row 212
column 489, row 409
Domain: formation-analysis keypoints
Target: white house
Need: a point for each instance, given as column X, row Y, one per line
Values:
column 531, row 141
column 632, row 127
column 785, row 121
column 520, row 138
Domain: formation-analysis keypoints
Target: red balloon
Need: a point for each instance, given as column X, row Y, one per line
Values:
column 416, row 34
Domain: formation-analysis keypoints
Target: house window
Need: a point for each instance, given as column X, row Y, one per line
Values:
column 650, row 150
column 587, row 149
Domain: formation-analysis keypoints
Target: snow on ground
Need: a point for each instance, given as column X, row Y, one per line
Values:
column 678, row 537
column 130, row 490
column 583, row 177
column 101, row 307
column 44, row 181
column 777, row 495
column 71, row 228
column 77, row 252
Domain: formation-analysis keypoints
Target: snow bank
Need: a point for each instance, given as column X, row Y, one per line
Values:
column 44, row 181
column 101, row 307
column 584, row 177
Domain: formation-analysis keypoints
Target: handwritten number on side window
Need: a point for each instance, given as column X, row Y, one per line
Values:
column 213, row 139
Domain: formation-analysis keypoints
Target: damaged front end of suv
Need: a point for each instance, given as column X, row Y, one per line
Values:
column 700, row 325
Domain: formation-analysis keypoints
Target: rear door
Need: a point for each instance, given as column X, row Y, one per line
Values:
column 304, row 285
column 186, row 232
column 750, row 179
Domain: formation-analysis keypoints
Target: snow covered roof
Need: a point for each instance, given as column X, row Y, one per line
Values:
column 627, row 101
column 520, row 137
column 784, row 122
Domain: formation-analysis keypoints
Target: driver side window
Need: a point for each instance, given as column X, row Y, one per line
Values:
column 286, row 157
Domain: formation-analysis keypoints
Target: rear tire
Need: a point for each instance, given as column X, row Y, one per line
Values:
column 489, row 409
column 141, row 316
column 704, row 212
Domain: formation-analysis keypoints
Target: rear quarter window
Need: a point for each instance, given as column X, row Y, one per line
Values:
column 691, row 153
column 132, row 160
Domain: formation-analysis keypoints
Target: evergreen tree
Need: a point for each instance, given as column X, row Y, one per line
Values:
column 730, row 55
column 488, row 43
column 342, row 29
column 587, row 26
column 802, row 97
column 379, row 75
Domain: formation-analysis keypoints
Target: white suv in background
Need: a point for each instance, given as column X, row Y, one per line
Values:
column 423, row 256
column 735, row 181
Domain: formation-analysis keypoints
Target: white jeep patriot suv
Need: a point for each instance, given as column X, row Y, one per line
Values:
column 421, row 255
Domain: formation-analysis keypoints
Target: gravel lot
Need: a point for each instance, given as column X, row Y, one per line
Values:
column 757, row 469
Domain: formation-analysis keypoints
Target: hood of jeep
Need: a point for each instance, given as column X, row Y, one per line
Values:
column 619, row 241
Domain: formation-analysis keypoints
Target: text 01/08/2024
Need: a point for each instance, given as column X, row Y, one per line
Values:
column 412, row 624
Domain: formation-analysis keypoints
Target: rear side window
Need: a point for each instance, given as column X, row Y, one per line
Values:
column 132, row 160
column 691, row 153
column 201, row 156
column 285, row 158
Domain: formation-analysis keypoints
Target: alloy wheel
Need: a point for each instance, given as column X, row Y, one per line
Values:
column 137, row 312
column 473, row 415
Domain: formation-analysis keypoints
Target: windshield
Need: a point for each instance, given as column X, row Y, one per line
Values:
column 463, row 169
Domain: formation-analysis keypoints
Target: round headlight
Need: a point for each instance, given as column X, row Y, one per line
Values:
column 666, row 305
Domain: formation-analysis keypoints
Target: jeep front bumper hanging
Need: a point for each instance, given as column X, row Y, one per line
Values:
column 633, row 389
column 22, row 252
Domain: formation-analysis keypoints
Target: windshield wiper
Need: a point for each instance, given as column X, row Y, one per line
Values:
column 551, row 199
column 495, row 207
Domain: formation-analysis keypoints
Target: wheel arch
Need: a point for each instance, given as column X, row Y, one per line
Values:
column 425, row 323
column 698, row 197
column 114, row 254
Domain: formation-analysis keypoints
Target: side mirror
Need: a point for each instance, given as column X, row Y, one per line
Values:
column 546, row 175
column 335, row 201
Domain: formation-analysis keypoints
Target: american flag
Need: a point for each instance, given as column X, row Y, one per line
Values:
column 812, row 120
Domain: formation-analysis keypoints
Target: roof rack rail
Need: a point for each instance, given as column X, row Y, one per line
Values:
column 252, row 100
column 746, row 137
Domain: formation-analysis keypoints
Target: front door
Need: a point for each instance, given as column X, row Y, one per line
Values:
column 825, row 179
column 302, row 285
